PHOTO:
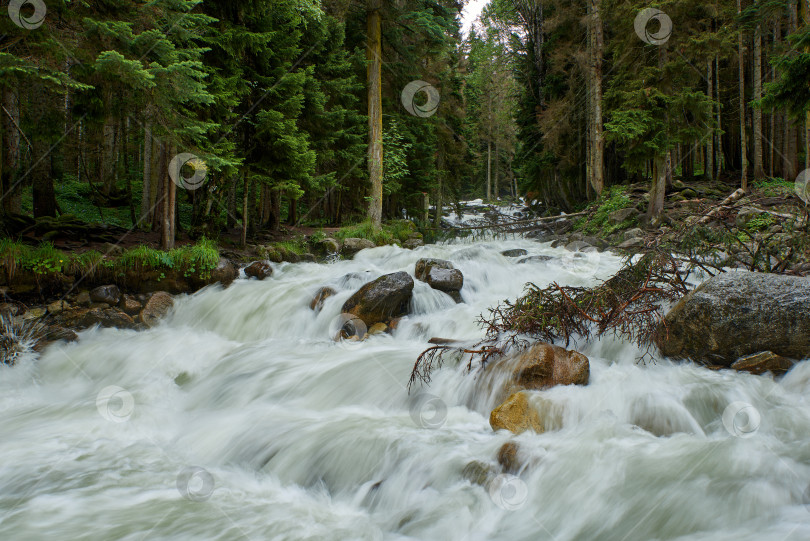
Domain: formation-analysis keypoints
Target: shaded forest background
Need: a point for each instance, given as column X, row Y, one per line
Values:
column 292, row 111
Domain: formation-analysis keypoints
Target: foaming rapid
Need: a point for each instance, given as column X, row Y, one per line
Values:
column 238, row 417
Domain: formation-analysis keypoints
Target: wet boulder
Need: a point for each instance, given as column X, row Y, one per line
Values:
column 735, row 314
column 446, row 280
column 320, row 297
column 109, row 294
column 327, row 246
column 225, row 272
column 156, row 308
column 517, row 252
column 352, row 245
column 516, row 415
column 546, row 365
column 259, row 270
column 424, row 265
column 381, row 300
column 760, row 363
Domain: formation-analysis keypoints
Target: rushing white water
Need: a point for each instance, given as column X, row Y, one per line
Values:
column 239, row 418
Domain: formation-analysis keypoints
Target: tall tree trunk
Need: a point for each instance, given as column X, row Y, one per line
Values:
column 275, row 200
column 107, row 159
column 146, row 197
column 806, row 19
column 708, row 170
column 375, row 120
column 658, row 191
column 9, row 123
column 759, row 171
column 167, row 228
column 160, row 169
column 790, row 158
column 496, row 190
column 597, row 179
column 776, row 133
column 245, row 213
column 44, row 195
column 743, row 142
column 720, row 156
column 489, row 170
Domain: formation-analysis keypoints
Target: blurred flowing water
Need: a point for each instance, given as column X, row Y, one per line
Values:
column 239, row 418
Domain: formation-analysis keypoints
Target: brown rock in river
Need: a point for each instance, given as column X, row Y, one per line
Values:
column 320, row 297
column 259, row 270
column 156, row 308
column 545, row 365
column 516, row 415
column 759, row 363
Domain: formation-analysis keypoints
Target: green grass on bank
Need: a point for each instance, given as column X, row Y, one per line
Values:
column 390, row 233
column 192, row 260
column 611, row 200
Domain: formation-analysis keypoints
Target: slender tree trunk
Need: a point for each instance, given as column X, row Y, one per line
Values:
column 759, row 171
column 597, row 179
column 159, row 188
column 245, row 213
column 658, row 191
column 720, row 156
column 107, row 159
column 496, row 189
column 489, row 170
column 790, row 162
column 275, row 199
column 708, row 170
column 375, row 120
column 146, row 197
column 743, row 142
column 44, row 195
column 9, row 122
column 806, row 19
column 167, row 229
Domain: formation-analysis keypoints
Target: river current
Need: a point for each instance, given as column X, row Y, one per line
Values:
column 238, row 417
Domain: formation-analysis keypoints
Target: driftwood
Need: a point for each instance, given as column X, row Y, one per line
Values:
column 734, row 197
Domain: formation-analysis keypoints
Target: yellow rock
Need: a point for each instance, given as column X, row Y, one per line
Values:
column 516, row 415
column 377, row 328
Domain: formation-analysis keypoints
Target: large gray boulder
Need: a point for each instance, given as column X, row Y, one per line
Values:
column 424, row 265
column 353, row 245
column 445, row 279
column 739, row 313
column 379, row 301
